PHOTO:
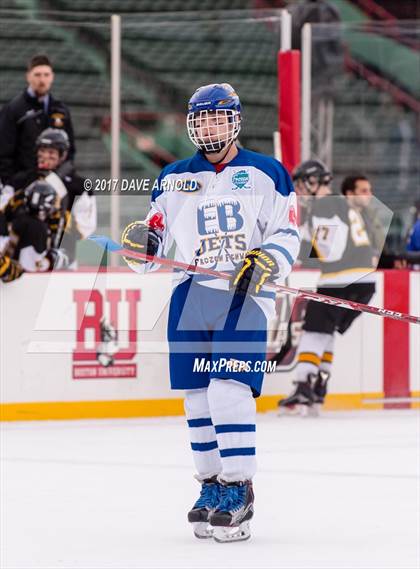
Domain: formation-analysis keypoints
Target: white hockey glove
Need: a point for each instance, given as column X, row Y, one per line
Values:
column 58, row 258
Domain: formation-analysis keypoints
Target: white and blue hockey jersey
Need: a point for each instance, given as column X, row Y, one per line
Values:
column 213, row 218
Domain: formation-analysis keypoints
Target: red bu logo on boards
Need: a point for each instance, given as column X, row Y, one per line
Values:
column 99, row 352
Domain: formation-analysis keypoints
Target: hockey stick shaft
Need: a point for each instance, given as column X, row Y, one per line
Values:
column 113, row 247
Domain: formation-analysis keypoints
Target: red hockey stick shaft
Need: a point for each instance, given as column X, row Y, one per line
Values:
column 316, row 296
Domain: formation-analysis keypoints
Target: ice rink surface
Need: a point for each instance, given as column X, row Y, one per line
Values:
column 337, row 491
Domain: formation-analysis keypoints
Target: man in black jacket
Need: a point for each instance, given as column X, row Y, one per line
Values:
column 24, row 118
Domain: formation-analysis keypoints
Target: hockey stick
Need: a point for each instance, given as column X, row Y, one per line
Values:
column 110, row 245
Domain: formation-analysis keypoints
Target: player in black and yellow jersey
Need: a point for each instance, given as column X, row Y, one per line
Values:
column 340, row 242
column 29, row 216
column 74, row 216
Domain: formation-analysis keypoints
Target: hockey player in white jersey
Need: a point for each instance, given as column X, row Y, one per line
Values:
column 231, row 210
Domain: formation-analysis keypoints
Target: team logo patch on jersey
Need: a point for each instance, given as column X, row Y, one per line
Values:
column 221, row 215
column 240, row 179
column 190, row 186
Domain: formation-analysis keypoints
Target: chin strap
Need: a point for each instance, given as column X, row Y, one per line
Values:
column 222, row 158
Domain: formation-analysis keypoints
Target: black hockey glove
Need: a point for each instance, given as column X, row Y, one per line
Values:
column 142, row 237
column 258, row 267
column 9, row 270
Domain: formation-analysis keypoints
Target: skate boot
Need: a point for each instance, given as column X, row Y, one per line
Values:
column 301, row 401
column 198, row 516
column 230, row 520
column 320, row 388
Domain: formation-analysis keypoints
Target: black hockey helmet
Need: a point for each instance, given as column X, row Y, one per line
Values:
column 41, row 199
column 312, row 171
column 312, row 174
column 54, row 138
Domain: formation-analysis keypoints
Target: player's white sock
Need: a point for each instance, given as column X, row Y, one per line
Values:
column 309, row 354
column 233, row 412
column 328, row 355
column 202, row 434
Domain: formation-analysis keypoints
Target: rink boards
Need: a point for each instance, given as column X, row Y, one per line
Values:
column 50, row 329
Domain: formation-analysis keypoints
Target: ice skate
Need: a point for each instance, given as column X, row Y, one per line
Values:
column 320, row 388
column 301, row 401
column 198, row 516
column 230, row 520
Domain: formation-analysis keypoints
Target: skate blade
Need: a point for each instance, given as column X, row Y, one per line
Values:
column 311, row 411
column 297, row 411
column 317, row 408
column 230, row 534
column 288, row 411
column 202, row 530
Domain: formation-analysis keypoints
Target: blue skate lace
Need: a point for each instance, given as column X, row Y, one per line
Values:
column 232, row 498
column 209, row 496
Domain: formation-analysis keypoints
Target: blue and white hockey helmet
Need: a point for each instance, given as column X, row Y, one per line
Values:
column 214, row 117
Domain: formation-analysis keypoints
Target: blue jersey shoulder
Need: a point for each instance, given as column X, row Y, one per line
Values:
column 271, row 167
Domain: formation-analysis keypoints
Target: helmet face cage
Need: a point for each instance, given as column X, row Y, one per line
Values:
column 313, row 182
column 319, row 179
column 212, row 130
